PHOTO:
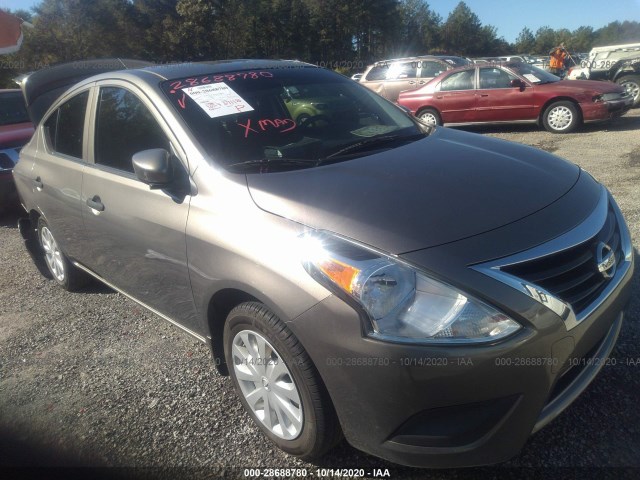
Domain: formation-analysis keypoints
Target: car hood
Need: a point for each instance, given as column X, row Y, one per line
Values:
column 591, row 85
column 445, row 187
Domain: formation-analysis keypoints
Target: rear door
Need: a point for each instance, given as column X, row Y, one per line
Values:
column 56, row 176
column 498, row 101
column 456, row 97
column 136, row 236
column 401, row 76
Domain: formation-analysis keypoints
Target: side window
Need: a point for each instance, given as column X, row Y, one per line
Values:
column 65, row 126
column 379, row 72
column 124, row 126
column 495, row 78
column 458, row 81
column 399, row 71
column 431, row 69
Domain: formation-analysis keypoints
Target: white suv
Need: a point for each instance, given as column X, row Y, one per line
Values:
column 618, row 63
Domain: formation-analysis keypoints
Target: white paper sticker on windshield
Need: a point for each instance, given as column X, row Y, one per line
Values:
column 531, row 78
column 218, row 99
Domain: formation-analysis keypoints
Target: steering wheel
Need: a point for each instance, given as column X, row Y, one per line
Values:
column 305, row 120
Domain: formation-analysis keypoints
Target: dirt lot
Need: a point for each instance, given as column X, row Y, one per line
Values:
column 92, row 379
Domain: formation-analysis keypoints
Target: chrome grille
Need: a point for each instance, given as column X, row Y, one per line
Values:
column 572, row 275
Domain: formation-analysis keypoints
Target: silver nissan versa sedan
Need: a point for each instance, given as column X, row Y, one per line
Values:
column 433, row 296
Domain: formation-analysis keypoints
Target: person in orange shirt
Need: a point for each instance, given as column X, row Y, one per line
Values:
column 556, row 63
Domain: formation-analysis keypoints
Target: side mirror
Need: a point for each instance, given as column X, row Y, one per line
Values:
column 517, row 83
column 153, row 167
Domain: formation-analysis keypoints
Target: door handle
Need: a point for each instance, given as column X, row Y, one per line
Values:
column 95, row 203
column 421, row 82
column 484, row 94
column 38, row 183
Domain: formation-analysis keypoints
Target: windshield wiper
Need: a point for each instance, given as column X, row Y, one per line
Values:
column 270, row 162
column 369, row 142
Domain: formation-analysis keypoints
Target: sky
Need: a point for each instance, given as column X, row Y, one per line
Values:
column 511, row 16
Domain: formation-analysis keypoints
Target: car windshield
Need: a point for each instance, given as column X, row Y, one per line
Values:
column 12, row 109
column 534, row 74
column 287, row 118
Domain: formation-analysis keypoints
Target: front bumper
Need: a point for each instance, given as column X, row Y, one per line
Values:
column 453, row 406
column 596, row 112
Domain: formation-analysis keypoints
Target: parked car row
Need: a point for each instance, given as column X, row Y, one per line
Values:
column 454, row 91
column 514, row 92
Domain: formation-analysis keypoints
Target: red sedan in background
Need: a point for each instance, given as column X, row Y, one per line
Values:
column 16, row 130
column 514, row 92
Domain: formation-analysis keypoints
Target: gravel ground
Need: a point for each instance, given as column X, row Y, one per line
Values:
column 92, row 379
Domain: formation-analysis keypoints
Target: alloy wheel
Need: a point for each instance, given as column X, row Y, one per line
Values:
column 429, row 118
column 560, row 118
column 52, row 254
column 267, row 384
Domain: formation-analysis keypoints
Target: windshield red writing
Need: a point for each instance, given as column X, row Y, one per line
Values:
column 228, row 77
column 280, row 124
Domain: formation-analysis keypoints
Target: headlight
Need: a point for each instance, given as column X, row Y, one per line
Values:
column 401, row 302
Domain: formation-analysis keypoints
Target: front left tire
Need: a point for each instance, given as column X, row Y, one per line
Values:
column 561, row 117
column 277, row 383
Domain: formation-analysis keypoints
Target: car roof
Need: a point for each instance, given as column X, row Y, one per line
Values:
column 180, row 70
column 501, row 63
column 41, row 88
column 405, row 59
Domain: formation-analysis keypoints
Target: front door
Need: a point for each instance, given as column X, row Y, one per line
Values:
column 136, row 236
column 498, row 101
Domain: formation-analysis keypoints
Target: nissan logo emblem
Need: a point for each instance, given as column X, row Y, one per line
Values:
column 606, row 259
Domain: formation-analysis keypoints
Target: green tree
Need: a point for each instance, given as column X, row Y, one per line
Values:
column 154, row 22
column 581, row 39
column 546, row 39
column 464, row 34
column 617, row 33
column 526, row 41
column 66, row 30
column 420, row 27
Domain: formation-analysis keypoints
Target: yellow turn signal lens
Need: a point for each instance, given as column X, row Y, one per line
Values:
column 340, row 273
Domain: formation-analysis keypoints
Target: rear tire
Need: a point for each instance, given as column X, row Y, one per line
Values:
column 277, row 383
column 631, row 84
column 561, row 117
column 61, row 269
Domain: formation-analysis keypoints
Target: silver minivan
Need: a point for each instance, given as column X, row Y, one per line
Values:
column 390, row 77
